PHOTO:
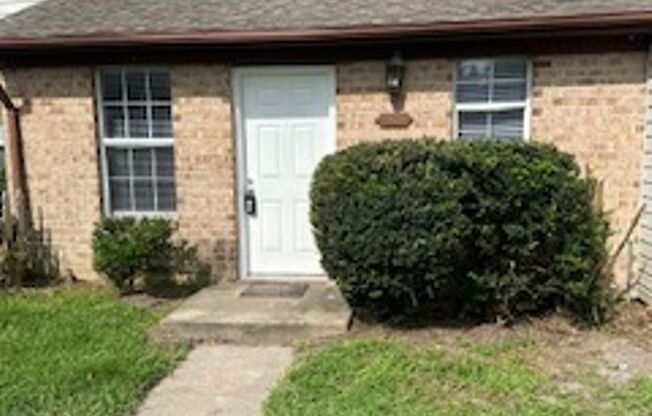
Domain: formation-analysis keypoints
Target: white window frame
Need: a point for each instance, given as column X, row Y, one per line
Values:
column 127, row 142
column 526, row 105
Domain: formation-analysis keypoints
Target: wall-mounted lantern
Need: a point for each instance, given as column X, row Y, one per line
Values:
column 395, row 78
column 395, row 74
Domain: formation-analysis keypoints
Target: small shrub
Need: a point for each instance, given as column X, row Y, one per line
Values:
column 127, row 248
column 484, row 229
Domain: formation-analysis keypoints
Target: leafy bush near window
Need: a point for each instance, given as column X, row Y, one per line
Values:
column 127, row 250
column 479, row 229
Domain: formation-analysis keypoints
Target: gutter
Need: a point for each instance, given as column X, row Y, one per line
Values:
column 15, row 139
column 451, row 29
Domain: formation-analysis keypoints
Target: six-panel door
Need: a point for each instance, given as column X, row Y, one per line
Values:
column 287, row 121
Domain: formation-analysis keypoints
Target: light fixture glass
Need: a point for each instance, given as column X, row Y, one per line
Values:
column 395, row 74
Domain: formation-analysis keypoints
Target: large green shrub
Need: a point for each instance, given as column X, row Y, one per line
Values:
column 484, row 229
column 127, row 248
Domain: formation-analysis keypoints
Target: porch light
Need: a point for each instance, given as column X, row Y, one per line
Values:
column 395, row 74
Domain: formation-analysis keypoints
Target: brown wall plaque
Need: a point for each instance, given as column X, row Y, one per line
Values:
column 394, row 120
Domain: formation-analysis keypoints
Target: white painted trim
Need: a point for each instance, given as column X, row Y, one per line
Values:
column 471, row 107
column 517, row 105
column 145, row 214
column 104, row 168
column 642, row 290
column 240, row 174
column 237, row 79
column 131, row 143
column 286, row 279
column 527, row 123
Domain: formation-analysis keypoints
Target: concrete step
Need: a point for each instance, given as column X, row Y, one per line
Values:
column 274, row 314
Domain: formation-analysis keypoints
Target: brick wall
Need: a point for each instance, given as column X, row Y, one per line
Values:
column 362, row 97
column 205, row 168
column 593, row 106
column 590, row 105
column 61, row 153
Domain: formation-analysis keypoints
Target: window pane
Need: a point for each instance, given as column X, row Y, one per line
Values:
column 111, row 85
column 127, row 166
column 510, row 91
column 161, row 122
column 118, row 162
column 165, row 162
column 474, row 71
column 142, row 162
column 166, row 195
column 473, row 93
column 160, row 86
column 510, row 69
column 114, row 122
column 120, row 195
column 473, row 125
column 136, row 86
column 507, row 124
column 144, row 193
column 138, row 125
column 502, row 80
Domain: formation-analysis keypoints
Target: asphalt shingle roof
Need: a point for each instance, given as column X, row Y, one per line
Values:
column 89, row 17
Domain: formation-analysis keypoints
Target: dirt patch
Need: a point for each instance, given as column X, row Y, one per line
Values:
column 619, row 352
column 634, row 322
column 617, row 359
column 146, row 301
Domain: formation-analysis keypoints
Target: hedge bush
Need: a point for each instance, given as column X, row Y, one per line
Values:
column 126, row 249
column 481, row 229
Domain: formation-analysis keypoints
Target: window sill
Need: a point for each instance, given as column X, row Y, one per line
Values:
column 172, row 216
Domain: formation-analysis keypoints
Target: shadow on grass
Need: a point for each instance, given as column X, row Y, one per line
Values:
column 173, row 291
column 438, row 320
column 446, row 318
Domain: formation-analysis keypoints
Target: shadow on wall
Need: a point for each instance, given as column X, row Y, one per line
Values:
column 27, row 257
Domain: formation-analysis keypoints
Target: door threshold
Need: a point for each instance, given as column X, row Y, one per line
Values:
column 286, row 279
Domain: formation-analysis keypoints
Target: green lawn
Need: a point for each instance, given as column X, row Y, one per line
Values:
column 76, row 353
column 378, row 376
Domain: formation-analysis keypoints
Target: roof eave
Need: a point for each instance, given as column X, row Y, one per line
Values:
column 448, row 29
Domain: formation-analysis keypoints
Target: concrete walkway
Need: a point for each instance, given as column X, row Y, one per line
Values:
column 219, row 380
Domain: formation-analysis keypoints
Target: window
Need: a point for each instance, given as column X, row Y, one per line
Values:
column 137, row 141
column 491, row 99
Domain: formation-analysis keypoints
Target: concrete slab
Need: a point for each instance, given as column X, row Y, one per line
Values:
column 219, row 381
column 221, row 314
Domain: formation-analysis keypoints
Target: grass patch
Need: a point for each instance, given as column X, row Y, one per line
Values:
column 390, row 378
column 76, row 353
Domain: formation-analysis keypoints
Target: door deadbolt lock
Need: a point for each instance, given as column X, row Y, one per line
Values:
column 250, row 203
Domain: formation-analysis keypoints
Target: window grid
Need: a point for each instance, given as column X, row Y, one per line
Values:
column 132, row 177
column 132, row 143
column 126, row 103
column 491, row 107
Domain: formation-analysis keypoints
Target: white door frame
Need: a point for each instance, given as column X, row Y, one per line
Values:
column 237, row 79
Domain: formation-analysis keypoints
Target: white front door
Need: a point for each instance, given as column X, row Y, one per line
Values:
column 287, row 122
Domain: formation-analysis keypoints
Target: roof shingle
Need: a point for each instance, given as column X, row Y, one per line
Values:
column 91, row 17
